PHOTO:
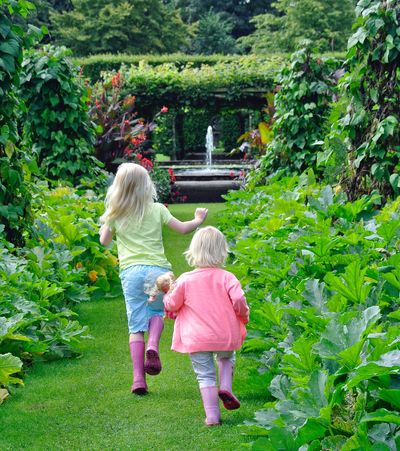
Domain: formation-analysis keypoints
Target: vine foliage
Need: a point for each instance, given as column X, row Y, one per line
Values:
column 302, row 104
column 14, row 193
column 57, row 122
column 371, row 123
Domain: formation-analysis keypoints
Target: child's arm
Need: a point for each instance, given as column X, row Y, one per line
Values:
column 106, row 235
column 187, row 226
column 238, row 299
column 173, row 300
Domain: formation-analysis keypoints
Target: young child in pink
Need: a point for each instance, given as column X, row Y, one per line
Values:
column 211, row 314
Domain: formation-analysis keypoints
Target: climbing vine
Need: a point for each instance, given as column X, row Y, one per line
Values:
column 57, row 121
column 371, row 123
column 302, row 104
column 14, row 193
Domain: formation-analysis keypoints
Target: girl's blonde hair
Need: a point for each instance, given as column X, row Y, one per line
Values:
column 208, row 248
column 130, row 194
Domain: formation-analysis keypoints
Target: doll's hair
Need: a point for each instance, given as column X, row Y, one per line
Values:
column 130, row 194
column 208, row 248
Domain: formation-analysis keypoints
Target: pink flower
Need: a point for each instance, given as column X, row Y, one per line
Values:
column 164, row 109
column 139, row 156
column 245, row 156
column 232, row 174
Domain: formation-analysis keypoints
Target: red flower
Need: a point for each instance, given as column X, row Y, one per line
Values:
column 127, row 123
column 147, row 164
column 128, row 151
column 139, row 156
column 232, row 174
column 245, row 156
column 164, row 109
column 116, row 80
column 171, row 175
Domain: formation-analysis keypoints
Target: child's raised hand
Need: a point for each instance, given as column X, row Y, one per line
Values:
column 200, row 214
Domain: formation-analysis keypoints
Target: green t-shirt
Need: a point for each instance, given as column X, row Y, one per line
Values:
column 142, row 244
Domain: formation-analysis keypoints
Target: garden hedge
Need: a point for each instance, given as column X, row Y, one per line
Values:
column 93, row 65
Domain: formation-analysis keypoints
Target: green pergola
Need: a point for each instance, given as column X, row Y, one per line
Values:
column 237, row 87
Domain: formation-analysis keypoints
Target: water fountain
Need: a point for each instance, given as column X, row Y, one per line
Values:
column 208, row 181
column 209, row 146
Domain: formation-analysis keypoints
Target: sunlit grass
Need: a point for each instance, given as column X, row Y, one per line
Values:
column 85, row 404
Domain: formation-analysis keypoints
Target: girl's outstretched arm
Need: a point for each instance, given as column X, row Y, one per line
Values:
column 106, row 235
column 187, row 226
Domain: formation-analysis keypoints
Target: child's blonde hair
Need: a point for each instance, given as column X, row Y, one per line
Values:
column 130, row 194
column 208, row 248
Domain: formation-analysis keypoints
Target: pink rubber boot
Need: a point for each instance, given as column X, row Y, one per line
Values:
column 229, row 400
column 153, row 362
column 209, row 396
column 139, row 386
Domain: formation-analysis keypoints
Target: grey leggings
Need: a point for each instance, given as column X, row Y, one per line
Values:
column 204, row 367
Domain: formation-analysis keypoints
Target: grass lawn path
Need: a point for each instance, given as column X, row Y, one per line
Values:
column 86, row 404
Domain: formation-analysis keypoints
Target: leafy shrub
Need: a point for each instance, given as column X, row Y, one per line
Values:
column 56, row 121
column 302, row 106
column 369, row 126
column 322, row 277
column 120, row 133
column 14, row 192
column 94, row 65
column 61, row 265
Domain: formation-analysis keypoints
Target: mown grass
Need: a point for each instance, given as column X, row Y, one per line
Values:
column 85, row 404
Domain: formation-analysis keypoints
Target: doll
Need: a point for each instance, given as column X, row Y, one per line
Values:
column 164, row 283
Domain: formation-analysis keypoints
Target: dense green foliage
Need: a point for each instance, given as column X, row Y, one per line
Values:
column 322, row 277
column 145, row 26
column 238, row 12
column 213, row 35
column 14, row 192
column 240, row 83
column 326, row 23
column 56, row 121
column 302, row 106
column 368, row 123
column 62, row 265
column 93, row 65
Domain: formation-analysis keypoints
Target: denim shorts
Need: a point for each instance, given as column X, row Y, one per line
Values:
column 136, row 280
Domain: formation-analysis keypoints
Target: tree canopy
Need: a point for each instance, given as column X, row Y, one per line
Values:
column 213, row 35
column 326, row 23
column 143, row 26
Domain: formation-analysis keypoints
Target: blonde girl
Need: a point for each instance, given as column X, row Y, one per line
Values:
column 133, row 216
column 211, row 316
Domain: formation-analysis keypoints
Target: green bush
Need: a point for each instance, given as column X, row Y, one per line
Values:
column 302, row 105
column 94, row 65
column 14, row 191
column 61, row 265
column 322, row 277
column 368, row 121
column 56, row 121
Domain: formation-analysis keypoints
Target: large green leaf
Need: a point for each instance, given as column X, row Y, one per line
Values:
column 339, row 337
column 352, row 284
column 392, row 396
column 389, row 363
column 9, row 364
column 381, row 415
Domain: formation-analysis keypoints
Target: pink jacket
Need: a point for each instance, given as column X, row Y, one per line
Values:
column 212, row 311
